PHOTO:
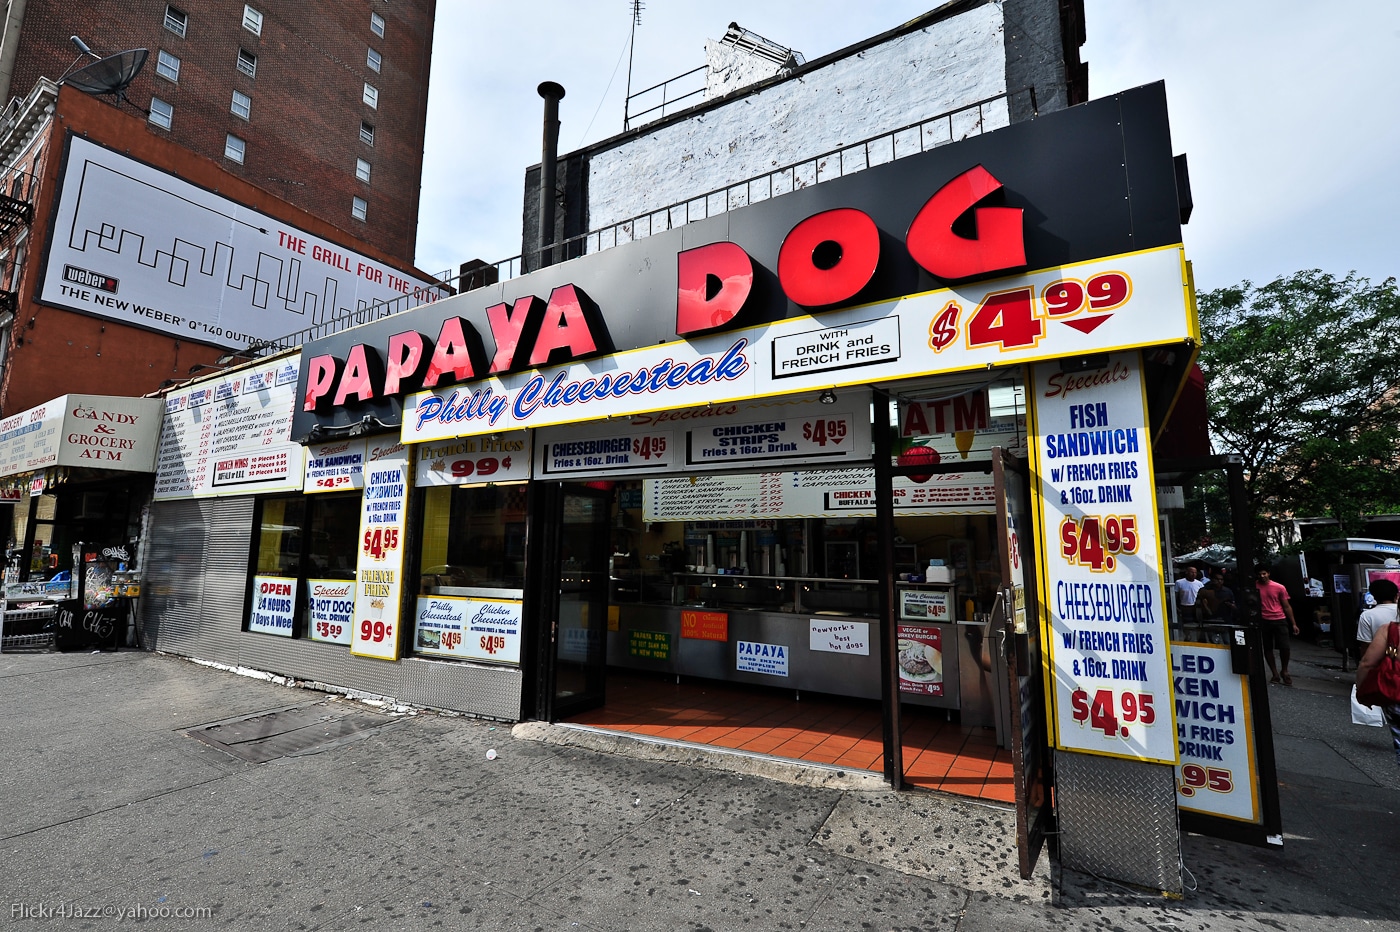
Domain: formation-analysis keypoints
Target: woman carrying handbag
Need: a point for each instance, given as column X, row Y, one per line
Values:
column 1378, row 678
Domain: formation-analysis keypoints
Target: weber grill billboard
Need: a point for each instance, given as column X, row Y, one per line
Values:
column 135, row 244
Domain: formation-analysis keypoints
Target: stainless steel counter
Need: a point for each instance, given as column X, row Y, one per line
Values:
column 649, row 637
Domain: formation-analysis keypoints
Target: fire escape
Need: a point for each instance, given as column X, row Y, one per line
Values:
column 16, row 215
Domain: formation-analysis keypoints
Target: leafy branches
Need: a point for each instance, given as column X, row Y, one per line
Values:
column 1302, row 377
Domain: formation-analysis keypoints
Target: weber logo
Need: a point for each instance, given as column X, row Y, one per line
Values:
column 71, row 273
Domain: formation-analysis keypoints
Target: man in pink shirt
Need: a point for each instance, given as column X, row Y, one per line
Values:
column 1277, row 613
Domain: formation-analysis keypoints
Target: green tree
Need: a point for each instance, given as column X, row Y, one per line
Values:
column 1302, row 378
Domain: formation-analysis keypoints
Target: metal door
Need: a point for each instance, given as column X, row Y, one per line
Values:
column 573, row 529
column 1017, row 637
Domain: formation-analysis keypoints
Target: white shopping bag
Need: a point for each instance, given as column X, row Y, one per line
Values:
column 1365, row 714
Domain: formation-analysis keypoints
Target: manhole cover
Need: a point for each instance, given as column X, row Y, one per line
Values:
column 307, row 729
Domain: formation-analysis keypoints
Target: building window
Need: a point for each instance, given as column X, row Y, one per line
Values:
column 376, row 24
column 234, row 148
column 167, row 65
column 362, row 170
column 252, row 20
column 306, row 547
column 374, row 61
column 366, row 133
column 176, row 21
column 161, row 113
column 242, row 104
column 359, row 208
column 248, row 63
column 470, row 533
column 371, row 95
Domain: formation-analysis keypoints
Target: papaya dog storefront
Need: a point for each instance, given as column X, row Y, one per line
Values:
column 883, row 440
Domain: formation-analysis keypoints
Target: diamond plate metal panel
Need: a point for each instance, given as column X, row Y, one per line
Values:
column 463, row 687
column 377, row 677
column 1118, row 819
column 302, row 659
column 196, row 592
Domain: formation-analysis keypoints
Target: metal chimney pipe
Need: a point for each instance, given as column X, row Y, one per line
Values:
column 549, row 168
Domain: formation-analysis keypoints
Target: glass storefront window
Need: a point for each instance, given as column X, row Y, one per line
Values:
column 302, row 580
column 472, row 573
column 280, row 533
column 473, row 537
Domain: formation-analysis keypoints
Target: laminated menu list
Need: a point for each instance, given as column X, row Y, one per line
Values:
column 810, row 493
column 231, row 436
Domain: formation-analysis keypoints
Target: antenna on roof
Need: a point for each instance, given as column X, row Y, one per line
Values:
column 637, row 7
column 110, row 75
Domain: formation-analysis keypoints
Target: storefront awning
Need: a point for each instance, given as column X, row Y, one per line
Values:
column 92, row 431
column 1362, row 545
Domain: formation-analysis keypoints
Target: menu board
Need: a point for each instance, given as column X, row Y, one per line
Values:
column 230, row 436
column 1112, row 681
column 812, row 493
column 338, row 466
column 920, row 657
column 379, row 568
column 687, row 440
column 474, row 460
column 1215, row 734
column 474, row 629
column 330, row 613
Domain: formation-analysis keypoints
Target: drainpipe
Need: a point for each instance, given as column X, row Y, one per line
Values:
column 549, row 168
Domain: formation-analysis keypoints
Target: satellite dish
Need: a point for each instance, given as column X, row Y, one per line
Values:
column 110, row 75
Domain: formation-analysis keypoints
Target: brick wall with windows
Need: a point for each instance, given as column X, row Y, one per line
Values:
column 51, row 351
column 310, row 65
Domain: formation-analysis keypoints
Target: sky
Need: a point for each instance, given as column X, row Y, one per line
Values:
column 1288, row 115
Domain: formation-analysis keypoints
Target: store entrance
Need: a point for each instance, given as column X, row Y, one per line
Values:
column 575, row 545
column 763, row 636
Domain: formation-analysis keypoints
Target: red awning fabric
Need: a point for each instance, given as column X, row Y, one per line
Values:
column 1185, row 435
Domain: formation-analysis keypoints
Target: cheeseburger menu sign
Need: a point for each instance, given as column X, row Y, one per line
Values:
column 98, row 431
column 1019, row 245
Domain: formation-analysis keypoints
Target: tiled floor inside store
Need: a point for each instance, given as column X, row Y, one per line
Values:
column 938, row 754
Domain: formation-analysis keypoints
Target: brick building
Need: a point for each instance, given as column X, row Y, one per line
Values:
column 128, row 261
column 321, row 103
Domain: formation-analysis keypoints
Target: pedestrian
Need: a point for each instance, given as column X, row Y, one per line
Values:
column 1187, row 588
column 1277, row 614
column 1376, row 651
column 1216, row 599
column 1375, row 618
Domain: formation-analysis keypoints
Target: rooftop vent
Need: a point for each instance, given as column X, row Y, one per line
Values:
column 745, row 41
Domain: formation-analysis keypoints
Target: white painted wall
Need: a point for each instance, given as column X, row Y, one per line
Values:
column 728, row 69
column 920, row 74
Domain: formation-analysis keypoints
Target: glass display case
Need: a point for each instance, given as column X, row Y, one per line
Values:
column 798, row 594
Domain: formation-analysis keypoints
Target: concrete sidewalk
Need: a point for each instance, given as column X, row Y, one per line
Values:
column 367, row 817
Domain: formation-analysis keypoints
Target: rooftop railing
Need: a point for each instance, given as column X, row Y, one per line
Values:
column 966, row 121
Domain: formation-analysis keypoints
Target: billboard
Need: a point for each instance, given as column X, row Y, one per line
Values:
column 135, row 244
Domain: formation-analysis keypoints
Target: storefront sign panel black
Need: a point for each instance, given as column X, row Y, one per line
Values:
column 1092, row 181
